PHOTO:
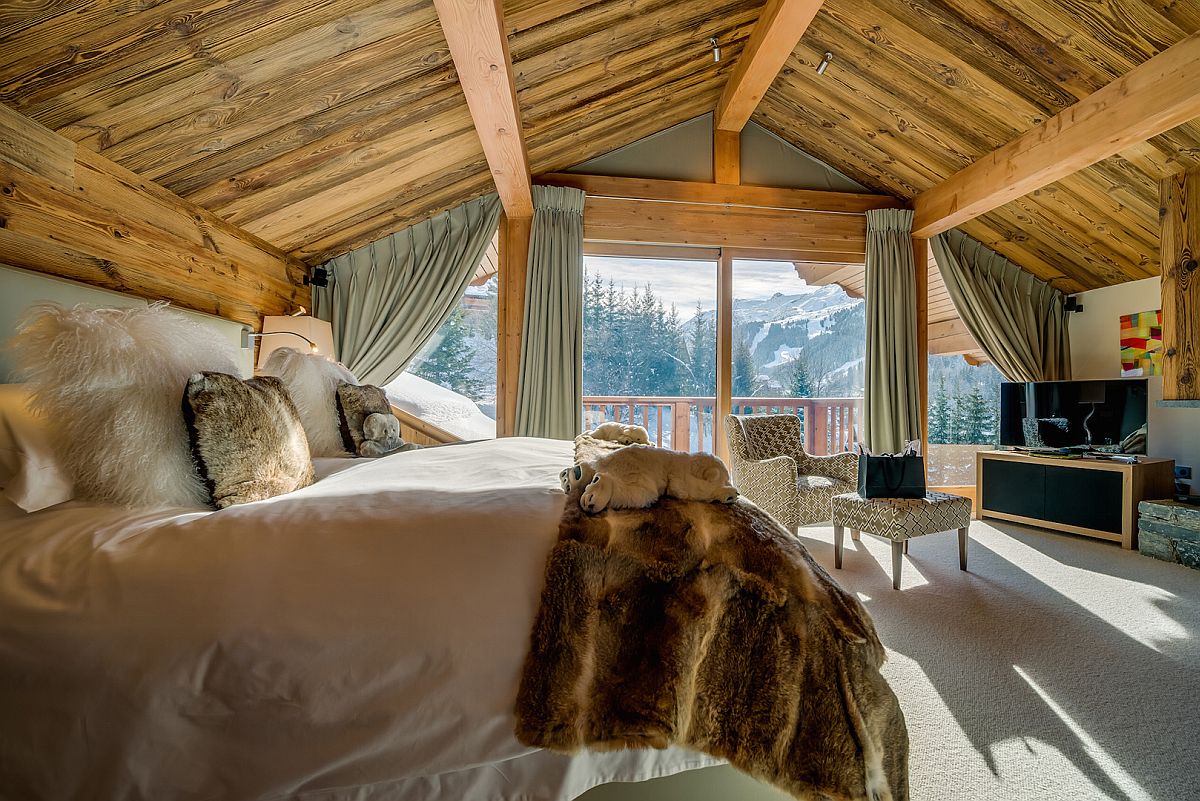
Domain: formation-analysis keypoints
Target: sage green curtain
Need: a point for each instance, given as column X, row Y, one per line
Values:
column 550, row 388
column 1017, row 319
column 893, row 402
column 385, row 300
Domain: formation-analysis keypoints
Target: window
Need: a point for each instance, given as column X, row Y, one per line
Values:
column 451, row 382
column 649, row 347
column 964, row 418
column 798, row 349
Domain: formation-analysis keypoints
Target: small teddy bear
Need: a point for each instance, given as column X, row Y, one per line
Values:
column 381, row 436
column 621, row 433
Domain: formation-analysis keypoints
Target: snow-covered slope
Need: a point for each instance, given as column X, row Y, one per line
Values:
column 444, row 408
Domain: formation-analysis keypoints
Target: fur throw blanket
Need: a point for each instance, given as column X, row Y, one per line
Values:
column 709, row 626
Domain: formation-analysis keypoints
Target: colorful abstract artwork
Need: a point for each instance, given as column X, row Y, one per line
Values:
column 1141, row 343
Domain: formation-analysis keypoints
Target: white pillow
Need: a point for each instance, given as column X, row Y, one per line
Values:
column 110, row 384
column 311, row 379
column 30, row 473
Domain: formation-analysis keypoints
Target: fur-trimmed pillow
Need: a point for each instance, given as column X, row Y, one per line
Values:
column 246, row 438
column 108, row 381
column 311, row 380
column 354, row 405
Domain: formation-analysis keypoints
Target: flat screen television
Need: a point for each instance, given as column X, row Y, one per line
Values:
column 1107, row 416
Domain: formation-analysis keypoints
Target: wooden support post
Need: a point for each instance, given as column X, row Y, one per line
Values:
column 1179, row 216
column 727, row 156
column 921, row 266
column 724, row 400
column 513, row 252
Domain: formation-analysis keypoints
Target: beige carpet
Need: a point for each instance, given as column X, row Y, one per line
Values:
column 1058, row 667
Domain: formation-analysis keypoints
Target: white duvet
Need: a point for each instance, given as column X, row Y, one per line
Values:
column 359, row 639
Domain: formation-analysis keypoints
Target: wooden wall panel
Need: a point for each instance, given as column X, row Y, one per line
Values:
column 113, row 229
column 1181, row 286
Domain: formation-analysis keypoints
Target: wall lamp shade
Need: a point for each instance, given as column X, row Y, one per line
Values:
column 301, row 332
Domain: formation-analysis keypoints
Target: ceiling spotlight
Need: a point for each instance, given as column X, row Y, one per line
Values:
column 824, row 65
column 712, row 40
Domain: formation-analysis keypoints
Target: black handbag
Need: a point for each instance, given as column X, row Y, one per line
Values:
column 891, row 476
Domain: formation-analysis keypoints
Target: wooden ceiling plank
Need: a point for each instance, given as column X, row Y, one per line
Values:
column 479, row 46
column 1150, row 99
column 549, row 94
column 336, row 159
column 326, row 65
column 779, row 28
column 155, row 47
column 260, row 161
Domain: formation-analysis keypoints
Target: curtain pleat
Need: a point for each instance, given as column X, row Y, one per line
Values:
column 892, row 400
column 386, row 300
column 1018, row 320
column 550, row 387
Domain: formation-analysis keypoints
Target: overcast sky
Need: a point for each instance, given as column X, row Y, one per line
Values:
column 685, row 282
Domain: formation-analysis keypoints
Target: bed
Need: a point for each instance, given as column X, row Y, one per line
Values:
column 361, row 638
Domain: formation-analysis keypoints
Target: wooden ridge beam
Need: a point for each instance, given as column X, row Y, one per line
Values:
column 762, row 197
column 479, row 48
column 775, row 36
column 1147, row 101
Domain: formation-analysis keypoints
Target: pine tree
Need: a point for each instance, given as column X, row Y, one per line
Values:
column 940, row 415
column 449, row 363
column 702, row 354
column 974, row 420
column 800, row 385
column 744, row 371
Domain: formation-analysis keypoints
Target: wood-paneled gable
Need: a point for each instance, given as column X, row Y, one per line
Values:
column 321, row 126
column 919, row 89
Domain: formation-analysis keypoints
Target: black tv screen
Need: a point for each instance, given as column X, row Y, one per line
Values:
column 1108, row 416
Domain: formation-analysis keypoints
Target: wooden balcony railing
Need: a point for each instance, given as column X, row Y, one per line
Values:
column 830, row 425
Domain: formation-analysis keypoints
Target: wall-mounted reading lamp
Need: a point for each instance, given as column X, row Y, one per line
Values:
column 712, row 40
column 286, row 332
column 824, row 65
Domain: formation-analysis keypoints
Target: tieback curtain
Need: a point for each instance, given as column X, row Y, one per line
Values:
column 385, row 300
column 1018, row 320
column 550, row 387
column 892, row 404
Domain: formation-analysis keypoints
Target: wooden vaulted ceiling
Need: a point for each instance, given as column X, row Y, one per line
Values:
column 321, row 126
column 919, row 89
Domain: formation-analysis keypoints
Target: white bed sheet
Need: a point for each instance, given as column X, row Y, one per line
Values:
column 359, row 639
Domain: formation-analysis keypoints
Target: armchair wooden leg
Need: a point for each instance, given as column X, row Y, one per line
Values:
column 839, row 534
column 962, row 548
column 854, row 534
column 906, row 547
column 897, row 562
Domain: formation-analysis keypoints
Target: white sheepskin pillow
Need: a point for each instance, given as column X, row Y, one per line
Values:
column 312, row 380
column 111, row 382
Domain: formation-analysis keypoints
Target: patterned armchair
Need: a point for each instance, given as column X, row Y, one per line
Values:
column 770, row 467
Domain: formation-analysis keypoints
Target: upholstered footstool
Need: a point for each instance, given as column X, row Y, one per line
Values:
column 899, row 520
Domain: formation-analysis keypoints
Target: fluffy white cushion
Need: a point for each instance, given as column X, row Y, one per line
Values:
column 31, row 475
column 110, row 383
column 311, row 380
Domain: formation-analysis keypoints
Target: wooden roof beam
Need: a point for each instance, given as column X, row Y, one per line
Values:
column 765, row 197
column 773, row 39
column 1147, row 101
column 479, row 47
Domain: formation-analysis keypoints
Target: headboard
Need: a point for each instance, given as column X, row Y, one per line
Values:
column 19, row 289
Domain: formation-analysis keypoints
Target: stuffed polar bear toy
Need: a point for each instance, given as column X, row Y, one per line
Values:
column 637, row 476
column 621, row 433
column 381, row 436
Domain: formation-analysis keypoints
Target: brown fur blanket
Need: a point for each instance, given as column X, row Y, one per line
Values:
column 709, row 626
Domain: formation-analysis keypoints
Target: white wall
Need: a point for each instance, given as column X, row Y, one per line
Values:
column 1095, row 353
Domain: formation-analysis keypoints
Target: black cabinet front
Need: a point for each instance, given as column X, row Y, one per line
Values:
column 1014, row 488
column 1081, row 497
